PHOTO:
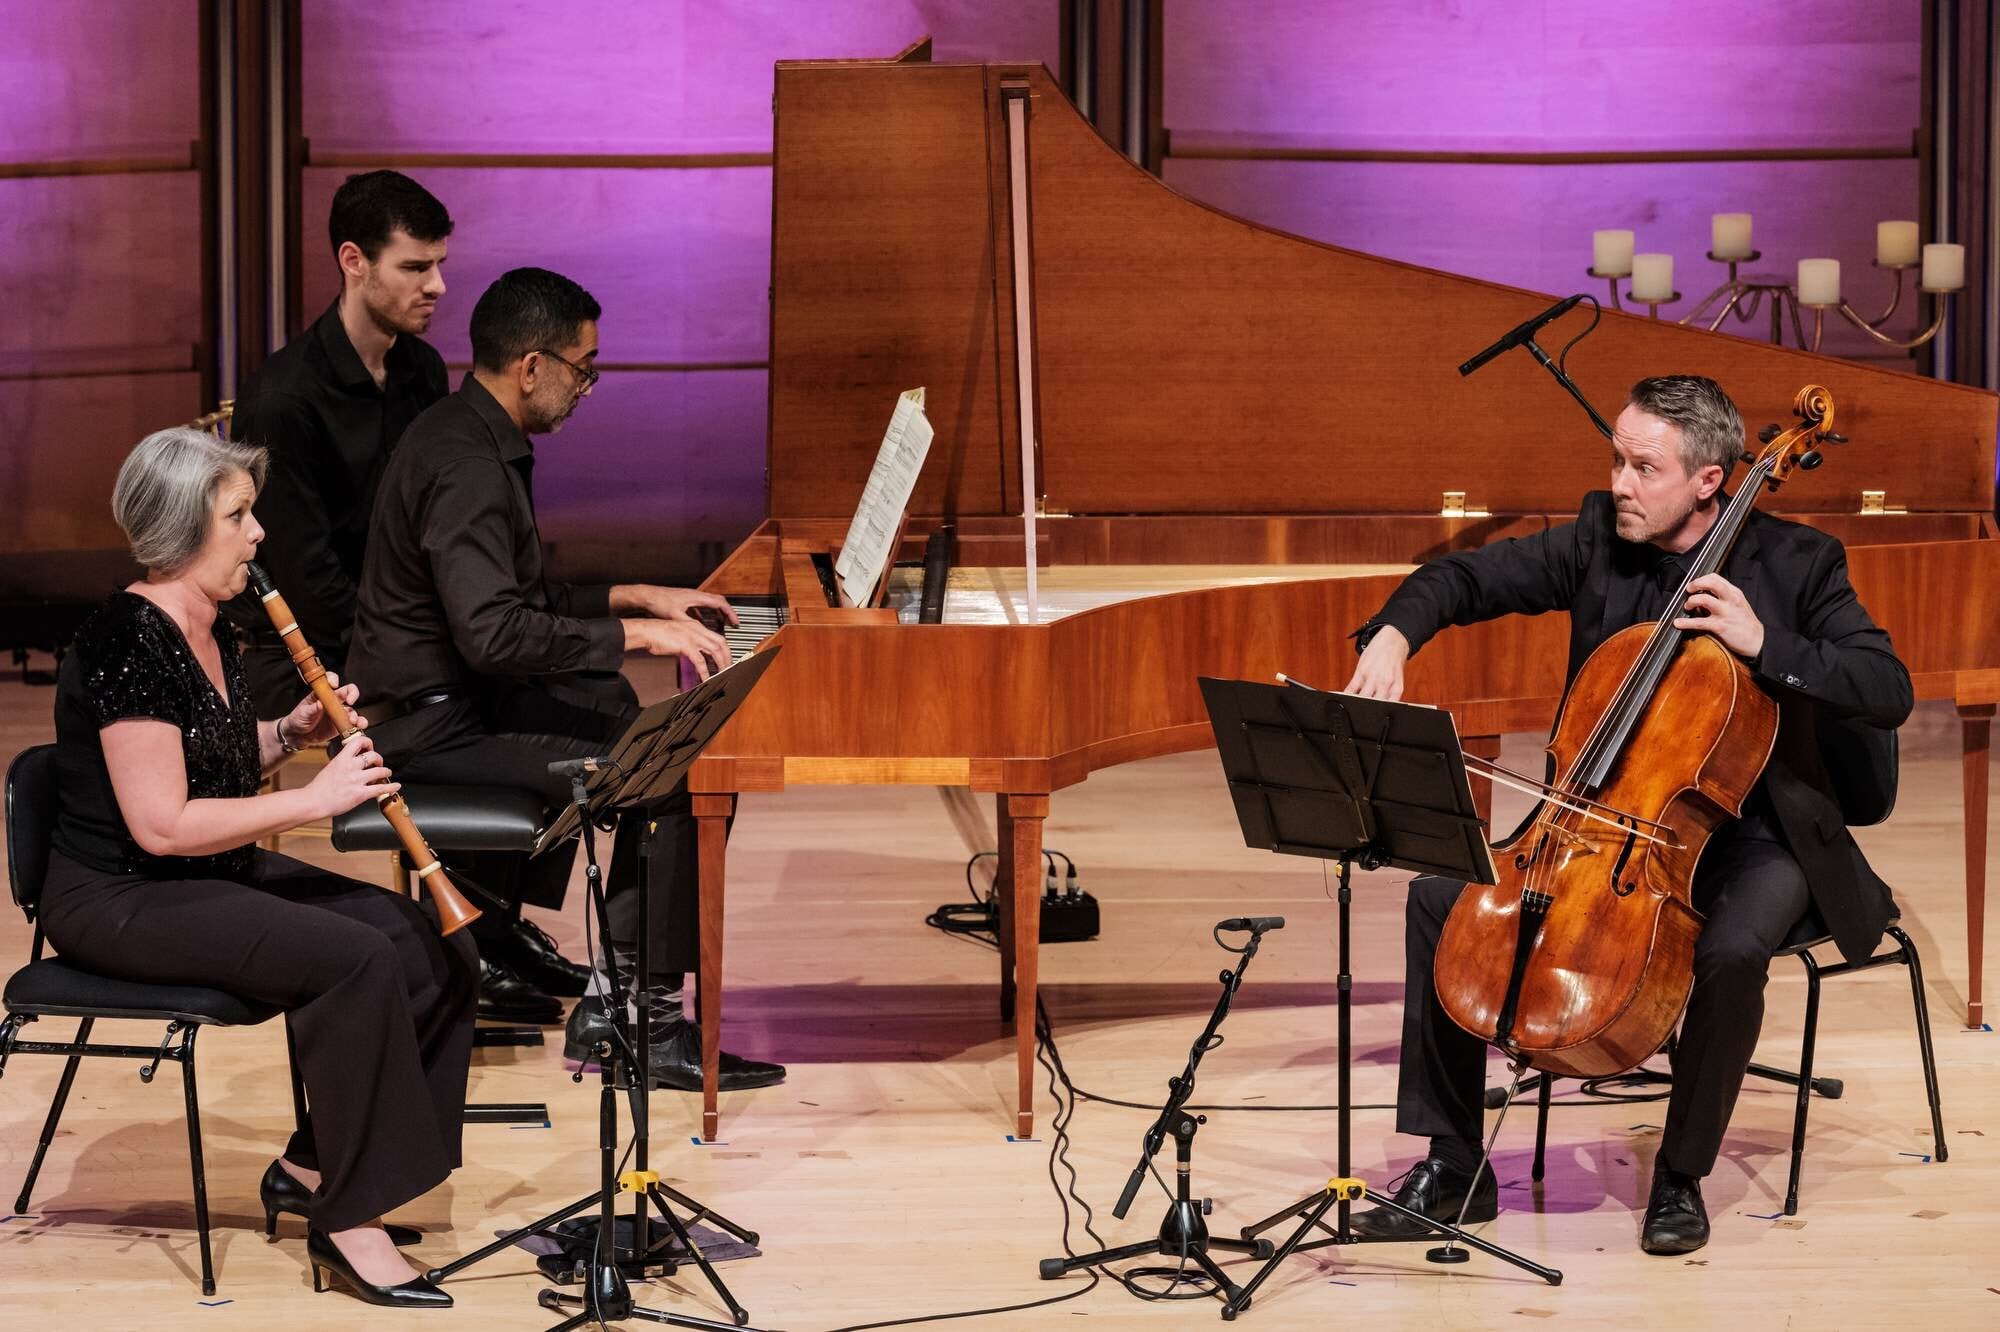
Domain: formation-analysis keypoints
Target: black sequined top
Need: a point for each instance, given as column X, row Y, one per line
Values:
column 130, row 660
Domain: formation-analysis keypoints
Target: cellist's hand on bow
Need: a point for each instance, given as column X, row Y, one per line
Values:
column 1379, row 674
column 1725, row 613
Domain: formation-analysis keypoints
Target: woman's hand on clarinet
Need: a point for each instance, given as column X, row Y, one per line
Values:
column 308, row 724
column 355, row 775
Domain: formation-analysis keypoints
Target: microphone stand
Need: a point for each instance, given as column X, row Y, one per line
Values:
column 1183, row 1234
column 1548, row 364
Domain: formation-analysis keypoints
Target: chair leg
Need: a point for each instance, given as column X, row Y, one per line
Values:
column 55, row 1115
column 195, row 1161
column 1942, row 1152
column 1805, row 1082
column 1541, row 1124
column 298, row 1084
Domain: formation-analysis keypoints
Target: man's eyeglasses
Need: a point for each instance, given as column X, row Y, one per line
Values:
column 585, row 375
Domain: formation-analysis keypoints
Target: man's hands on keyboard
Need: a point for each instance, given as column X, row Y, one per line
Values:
column 701, row 647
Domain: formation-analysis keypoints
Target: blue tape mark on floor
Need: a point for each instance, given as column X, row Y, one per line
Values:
column 1634, row 1128
column 213, row 1304
column 17, row 1216
column 1925, row 1157
column 518, row 1127
column 1984, row 1026
column 1340, row 1283
column 699, row 1143
column 1759, row 1216
column 1012, row 1138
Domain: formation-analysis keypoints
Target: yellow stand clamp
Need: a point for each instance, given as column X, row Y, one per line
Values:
column 637, row 1181
column 1347, row 1190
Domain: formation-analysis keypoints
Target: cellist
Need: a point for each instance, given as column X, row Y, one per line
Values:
column 1784, row 606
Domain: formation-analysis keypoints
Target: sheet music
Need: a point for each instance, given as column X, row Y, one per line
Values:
column 878, row 520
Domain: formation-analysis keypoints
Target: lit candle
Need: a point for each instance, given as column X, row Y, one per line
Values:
column 1944, row 267
column 1652, row 277
column 1729, row 236
column 1819, row 282
column 1895, row 244
column 1611, row 253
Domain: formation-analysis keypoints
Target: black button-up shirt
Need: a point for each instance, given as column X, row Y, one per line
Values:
column 330, row 430
column 453, row 588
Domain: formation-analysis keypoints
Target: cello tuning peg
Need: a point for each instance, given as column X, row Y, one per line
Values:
column 1769, row 433
column 1831, row 438
column 1748, row 456
column 1811, row 460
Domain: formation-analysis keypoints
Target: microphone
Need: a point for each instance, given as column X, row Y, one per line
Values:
column 1254, row 924
column 578, row 767
column 1521, row 332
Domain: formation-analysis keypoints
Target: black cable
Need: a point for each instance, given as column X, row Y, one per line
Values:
column 1563, row 357
column 1058, row 1154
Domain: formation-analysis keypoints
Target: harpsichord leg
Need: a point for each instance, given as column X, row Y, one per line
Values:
column 1024, row 816
column 1976, row 727
column 712, row 814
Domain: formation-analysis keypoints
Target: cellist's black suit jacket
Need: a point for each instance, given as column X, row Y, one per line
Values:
column 1824, row 661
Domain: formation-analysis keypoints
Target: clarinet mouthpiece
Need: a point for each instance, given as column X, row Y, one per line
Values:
column 260, row 582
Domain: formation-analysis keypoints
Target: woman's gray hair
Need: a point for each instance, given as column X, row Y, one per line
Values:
column 165, row 495
column 1711, row 427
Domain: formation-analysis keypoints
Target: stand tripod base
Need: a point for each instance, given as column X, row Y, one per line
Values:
column 1183, row 1237
column 1444, row 1253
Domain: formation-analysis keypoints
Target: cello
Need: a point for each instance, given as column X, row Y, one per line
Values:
column 1580, row 959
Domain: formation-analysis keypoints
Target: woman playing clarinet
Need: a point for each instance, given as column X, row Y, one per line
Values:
column 156, row 875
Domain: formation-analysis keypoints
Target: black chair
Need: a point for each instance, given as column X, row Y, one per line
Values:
column 1808, row 935
column 460, row 818
column 1863, row 761
column 49, row 987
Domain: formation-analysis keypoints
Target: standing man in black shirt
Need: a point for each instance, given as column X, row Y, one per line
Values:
column 1782, row 603
column 489, row 671
column 329, row 407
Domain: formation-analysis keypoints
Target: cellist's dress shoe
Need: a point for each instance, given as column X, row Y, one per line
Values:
column 529, row 953
column 1676, row 1222
column 416, row 1293
column 505, row 997
column 279, row 1191
column 1436, row 1190
column 676, row 1053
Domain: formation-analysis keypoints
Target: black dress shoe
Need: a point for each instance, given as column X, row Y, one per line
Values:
column 676, row 1053
column 529, row 953
column 505, row 997
column 280, row 1192
column 416, row 1293
column 1436, row 1190
column 1676, row 1222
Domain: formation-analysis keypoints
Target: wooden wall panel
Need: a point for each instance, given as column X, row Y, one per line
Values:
column 100, row 261
column 676, row 74
column 90, row 78
column 64, row 442
column 1542, row 75
column 680, row 260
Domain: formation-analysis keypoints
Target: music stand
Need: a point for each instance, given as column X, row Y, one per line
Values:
column 645, row 766
column 1359, row 781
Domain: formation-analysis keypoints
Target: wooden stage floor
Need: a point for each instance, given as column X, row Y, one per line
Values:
column 881, row 1176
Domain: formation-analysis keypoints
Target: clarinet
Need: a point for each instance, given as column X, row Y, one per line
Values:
column 454, row 912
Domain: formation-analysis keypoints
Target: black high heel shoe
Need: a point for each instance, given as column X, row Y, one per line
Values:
column 416, row 1293
column 279, row 1192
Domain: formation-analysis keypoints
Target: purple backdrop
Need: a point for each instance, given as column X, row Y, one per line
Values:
column 674, row 455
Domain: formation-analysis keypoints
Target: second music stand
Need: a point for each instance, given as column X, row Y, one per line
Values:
column 1359, row 781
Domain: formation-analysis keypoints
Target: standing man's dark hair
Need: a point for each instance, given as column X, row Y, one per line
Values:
column 372, row 206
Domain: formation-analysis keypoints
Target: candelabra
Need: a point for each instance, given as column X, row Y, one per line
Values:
column 1941, row 276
